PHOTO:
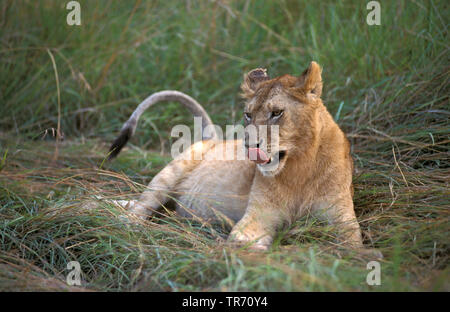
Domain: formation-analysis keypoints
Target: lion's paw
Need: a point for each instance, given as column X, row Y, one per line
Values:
column 240, row 239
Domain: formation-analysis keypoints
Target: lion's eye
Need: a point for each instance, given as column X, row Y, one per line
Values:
column 247, row 116
column 276, row 113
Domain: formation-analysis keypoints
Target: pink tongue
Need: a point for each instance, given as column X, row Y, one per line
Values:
column 257, row 155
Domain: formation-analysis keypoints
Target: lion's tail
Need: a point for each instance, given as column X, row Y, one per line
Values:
column 130, row 125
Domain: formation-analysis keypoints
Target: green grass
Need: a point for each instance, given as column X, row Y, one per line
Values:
column 387, row 87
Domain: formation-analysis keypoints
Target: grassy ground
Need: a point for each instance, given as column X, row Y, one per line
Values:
column 387, row 86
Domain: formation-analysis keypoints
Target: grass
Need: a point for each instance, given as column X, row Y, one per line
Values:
column 387, row 87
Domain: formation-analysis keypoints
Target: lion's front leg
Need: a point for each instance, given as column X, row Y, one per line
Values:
column 340, row 212
column 257, row 227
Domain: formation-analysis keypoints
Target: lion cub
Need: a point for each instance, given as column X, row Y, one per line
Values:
column 313, row 175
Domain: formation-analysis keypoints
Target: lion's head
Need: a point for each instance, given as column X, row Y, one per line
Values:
column 287, row 102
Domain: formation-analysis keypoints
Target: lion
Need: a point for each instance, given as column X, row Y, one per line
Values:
column 313, row 172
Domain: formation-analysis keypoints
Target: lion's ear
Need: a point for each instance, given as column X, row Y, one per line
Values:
column 252, row 80
column 311, row 79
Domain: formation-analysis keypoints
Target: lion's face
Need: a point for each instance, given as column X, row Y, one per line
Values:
column 278, row 116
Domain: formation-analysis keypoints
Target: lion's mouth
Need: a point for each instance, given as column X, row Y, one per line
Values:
column 277, row 157
column 257, row 155
column 260, row 157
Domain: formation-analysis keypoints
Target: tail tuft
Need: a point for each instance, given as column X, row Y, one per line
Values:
column 129, row 127
column 120, row 142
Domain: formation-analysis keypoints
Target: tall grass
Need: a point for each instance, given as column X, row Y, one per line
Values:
column 122, row 53
column 386, row 85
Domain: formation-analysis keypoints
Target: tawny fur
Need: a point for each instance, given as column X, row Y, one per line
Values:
column 314, row 176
